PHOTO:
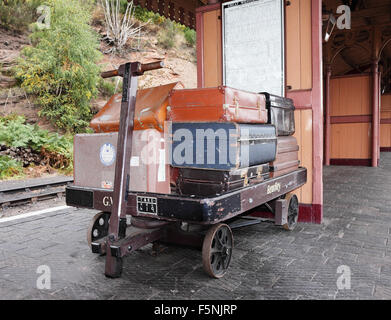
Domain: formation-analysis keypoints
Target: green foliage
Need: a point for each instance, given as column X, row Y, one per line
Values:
column 10, row 117
column 9, row 168
column 60, row 68
column 190, row 36
column 106, row 87
column 166, row 37
column 109, row 87
column 14, row 132
column 144, row 15
column 18, row 14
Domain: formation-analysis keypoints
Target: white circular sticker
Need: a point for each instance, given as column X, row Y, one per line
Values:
column 107, row 154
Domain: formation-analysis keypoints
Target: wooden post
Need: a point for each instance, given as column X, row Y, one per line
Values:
column 317, row 110
column 200, row 48
column 375, row 112
column 376, row 50
column 328, row 122
column 379, row 111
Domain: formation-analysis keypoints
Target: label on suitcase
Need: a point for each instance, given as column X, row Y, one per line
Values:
column 221, row 104
column 221, row 146
column 201, row 182
column 281, row 114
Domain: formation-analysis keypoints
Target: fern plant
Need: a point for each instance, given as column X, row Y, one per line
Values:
column 9, row 168
column 57, row 149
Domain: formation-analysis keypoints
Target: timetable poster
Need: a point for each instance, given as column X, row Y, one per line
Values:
column 253, row 45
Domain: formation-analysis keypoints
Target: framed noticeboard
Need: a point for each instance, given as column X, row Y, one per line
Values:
column 253, row 45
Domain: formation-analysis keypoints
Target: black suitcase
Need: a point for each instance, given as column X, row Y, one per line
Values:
column 281, row 113
column 222, row 145
column 201, row 182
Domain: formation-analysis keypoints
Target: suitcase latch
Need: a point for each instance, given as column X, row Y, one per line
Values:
column 236, row 103
column 259, row 107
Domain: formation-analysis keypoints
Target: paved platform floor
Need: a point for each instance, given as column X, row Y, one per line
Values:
column 268, row 263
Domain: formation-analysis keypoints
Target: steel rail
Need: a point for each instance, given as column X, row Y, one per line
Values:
column 13, row 193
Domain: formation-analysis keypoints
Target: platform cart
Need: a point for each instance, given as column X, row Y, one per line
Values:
column 203, row 222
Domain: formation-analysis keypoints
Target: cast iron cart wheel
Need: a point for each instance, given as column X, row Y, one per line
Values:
column 217, row 250
column 293, row 211
column 99, row 227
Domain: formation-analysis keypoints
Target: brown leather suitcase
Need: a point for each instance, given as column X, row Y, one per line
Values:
column 274, row 174
column 95, row 155
column 219, row 104
column 287, row 144
column 201, row 182
column 287, row 157
column 150, row 113
column 284, row 158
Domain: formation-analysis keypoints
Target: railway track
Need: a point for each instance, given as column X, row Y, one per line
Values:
column 13, row 193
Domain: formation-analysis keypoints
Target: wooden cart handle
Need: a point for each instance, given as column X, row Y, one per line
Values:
column 152, row 66
column 109, row 74
column 143, row 68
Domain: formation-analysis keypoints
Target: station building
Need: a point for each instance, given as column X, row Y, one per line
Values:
column 338, row 72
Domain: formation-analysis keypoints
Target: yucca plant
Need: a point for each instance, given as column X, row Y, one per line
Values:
column 120, row 28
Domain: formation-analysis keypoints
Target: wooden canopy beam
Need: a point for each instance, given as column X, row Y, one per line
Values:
column 346, row 59
column 372, row 12
column 181, row 11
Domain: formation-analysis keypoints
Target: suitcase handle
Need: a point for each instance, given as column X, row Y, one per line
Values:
column 143, row 67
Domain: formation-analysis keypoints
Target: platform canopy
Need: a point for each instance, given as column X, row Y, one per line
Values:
column 182, row 11
column 354, row 51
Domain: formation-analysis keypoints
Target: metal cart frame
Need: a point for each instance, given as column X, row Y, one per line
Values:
column 183, row 220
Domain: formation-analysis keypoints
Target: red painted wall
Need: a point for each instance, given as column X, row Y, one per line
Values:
column 307, row 89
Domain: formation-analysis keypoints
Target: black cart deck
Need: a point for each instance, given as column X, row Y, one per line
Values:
column 187, row 208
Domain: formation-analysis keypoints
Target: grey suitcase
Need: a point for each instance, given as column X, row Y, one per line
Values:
column 221, row 146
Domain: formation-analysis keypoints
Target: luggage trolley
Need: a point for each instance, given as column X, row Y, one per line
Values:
column 203, row 222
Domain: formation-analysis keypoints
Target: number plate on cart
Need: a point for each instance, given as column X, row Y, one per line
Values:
column 147, row 205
